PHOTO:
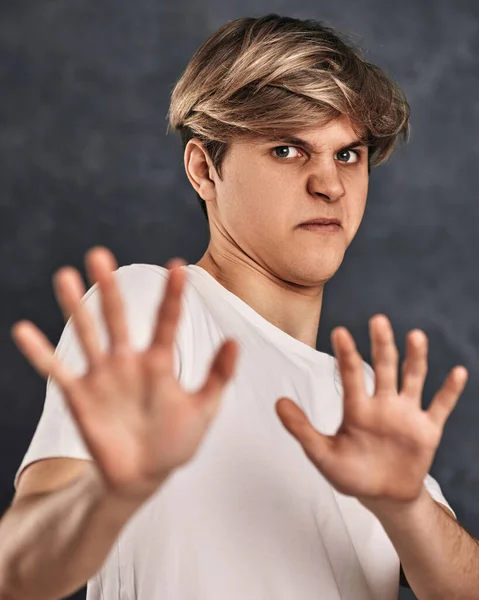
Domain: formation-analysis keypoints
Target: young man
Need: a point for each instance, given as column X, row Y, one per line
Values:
column 272, row 470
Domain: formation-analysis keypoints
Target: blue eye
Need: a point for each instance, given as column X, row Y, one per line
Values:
column 284, row 151
column 347, row 153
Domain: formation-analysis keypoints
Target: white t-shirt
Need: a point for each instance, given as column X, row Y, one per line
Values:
column 249, row 516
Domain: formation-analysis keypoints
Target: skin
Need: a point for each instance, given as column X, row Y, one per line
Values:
column 256, row 249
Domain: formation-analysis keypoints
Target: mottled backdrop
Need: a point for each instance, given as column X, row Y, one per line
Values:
column 84, row 160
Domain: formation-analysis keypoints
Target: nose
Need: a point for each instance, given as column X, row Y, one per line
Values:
column 326, row 182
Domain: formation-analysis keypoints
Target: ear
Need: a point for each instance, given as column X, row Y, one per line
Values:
column 199, row 169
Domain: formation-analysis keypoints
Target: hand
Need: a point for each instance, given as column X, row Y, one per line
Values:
column 137, row 421
column 386, row 443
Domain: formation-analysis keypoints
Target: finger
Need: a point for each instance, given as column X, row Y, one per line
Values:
column 69, row 291
column 414, row 369
column 446, row 398
column 100, row 265
column 351, row 368
column 221, row 371
column 316, row 445
column 39, row 351
column 170, row 310
column 384, row 355
column 173, row 263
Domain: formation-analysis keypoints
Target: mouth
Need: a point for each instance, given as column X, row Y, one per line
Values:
column 322, row 222
column 322, row 225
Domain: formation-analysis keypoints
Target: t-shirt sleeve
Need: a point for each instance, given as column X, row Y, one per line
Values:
column 430, row 483
column 142, row 288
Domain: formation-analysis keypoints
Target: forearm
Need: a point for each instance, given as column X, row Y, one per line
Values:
column 51, row 545
column 439, row 558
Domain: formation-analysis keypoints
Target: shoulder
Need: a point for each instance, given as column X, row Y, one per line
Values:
column 133, row 281
column 146, row 280
column 142, row 288
column 138, row 276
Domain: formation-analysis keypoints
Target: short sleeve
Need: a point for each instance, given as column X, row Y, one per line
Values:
column 142, row 288
column 430, row 483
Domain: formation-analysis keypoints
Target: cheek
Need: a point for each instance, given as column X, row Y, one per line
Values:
column 355, row 213
column 248, row 197
column 356, row 194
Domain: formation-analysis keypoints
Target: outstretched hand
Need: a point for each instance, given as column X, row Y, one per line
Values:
column 137, row 420
column 386, row 443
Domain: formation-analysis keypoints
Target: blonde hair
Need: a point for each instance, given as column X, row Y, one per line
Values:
column 274, row 75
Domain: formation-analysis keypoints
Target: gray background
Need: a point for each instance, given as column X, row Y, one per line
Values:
column 84, row 160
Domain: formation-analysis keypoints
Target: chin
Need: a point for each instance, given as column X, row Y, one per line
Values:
column 310, row 274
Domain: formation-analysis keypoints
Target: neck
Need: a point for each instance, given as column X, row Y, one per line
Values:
column 294, row 308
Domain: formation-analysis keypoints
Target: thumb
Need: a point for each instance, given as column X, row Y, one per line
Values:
column 294, row 420
column 315, row 445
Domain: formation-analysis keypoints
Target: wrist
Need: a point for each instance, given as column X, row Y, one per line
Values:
column 389, row 510
column 111, row 506
column 117, row 505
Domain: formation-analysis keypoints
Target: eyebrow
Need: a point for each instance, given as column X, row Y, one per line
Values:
column 296, row 141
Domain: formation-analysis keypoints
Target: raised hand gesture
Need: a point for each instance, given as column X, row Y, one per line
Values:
column 386, row 443
column 137, row 421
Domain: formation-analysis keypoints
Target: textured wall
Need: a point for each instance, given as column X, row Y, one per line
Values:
column 84, row 160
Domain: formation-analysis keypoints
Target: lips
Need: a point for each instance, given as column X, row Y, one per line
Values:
column 322, row 222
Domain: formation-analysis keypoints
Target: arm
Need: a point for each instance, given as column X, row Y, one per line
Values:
column 382, row 452
column 440, row 559
column 137, row 422
column 52, row 543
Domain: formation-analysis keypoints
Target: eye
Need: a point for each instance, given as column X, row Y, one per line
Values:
column 285, row 152
column 345, row 154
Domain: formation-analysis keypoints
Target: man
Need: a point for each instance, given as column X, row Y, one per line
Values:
column 272, row 470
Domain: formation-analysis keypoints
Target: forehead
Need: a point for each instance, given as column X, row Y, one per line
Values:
column 340, row 131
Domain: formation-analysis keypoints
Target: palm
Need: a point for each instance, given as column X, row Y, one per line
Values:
column 365, row 454
column 137, row 421
column 139, row 429
column 386, row 442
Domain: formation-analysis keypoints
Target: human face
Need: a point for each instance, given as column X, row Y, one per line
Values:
column 268, row 188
